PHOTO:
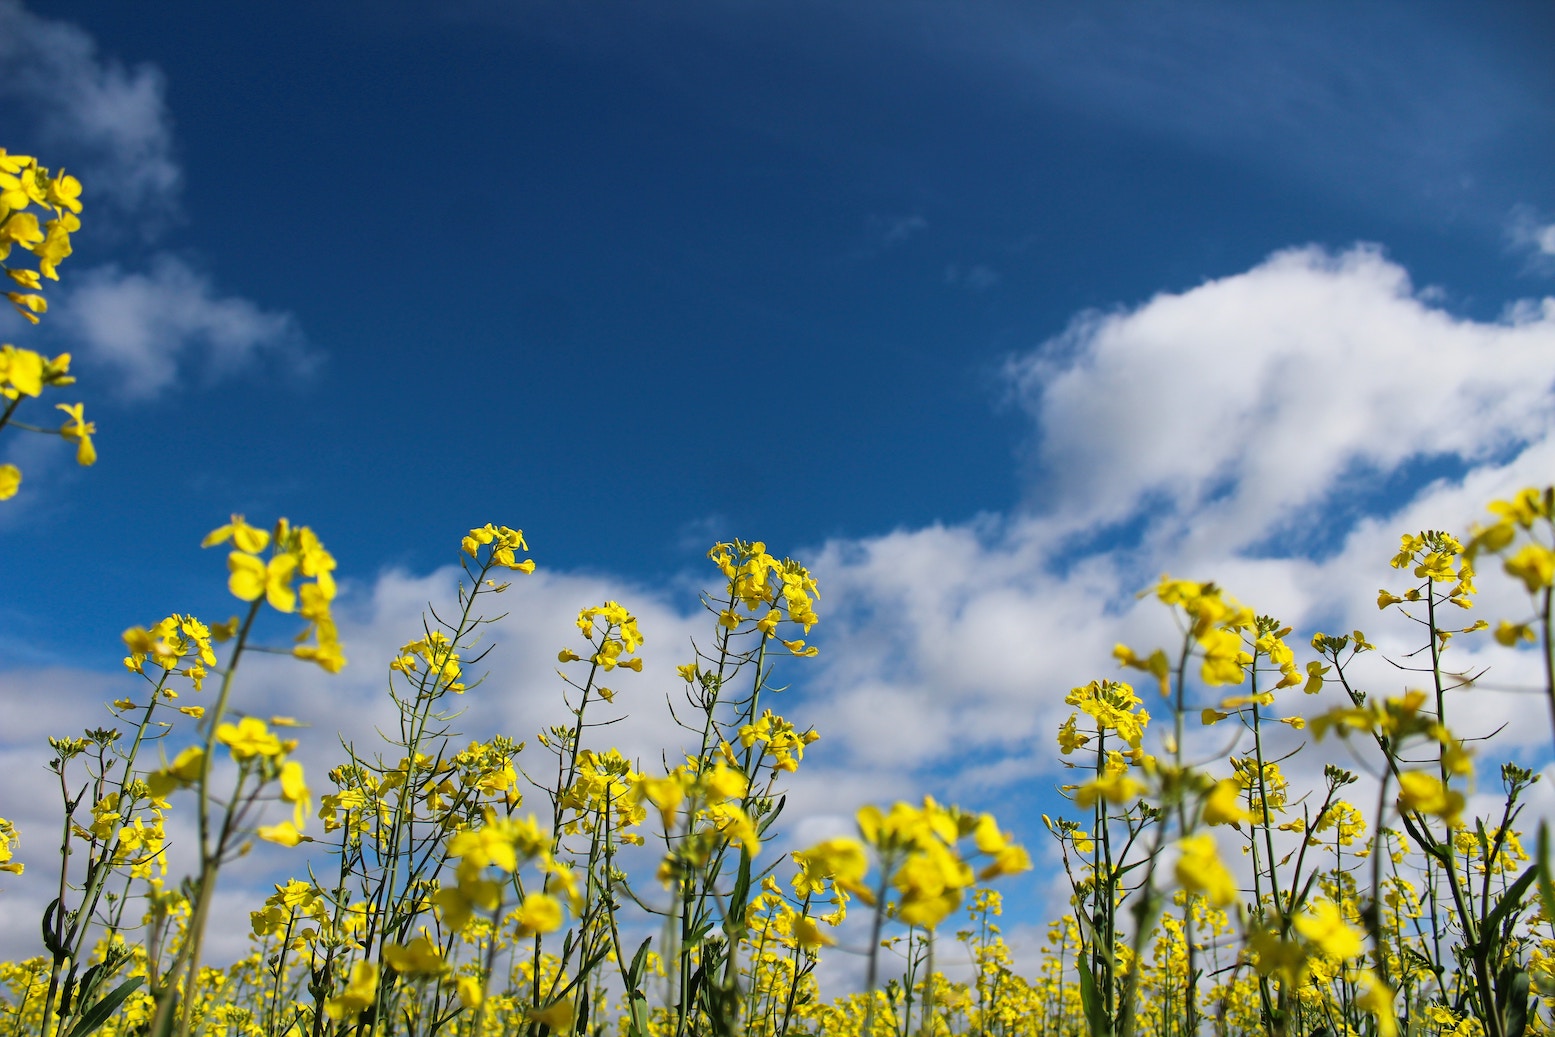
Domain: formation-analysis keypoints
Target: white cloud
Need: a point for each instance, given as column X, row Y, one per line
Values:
column 148, row 321
column 105, row 121
column 1528, row 233
column 1240, row 403
column 147, row 326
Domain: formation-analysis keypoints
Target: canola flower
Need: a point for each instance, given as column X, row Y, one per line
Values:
column 28, row 191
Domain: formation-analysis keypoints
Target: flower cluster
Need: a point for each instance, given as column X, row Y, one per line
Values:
column 763, row 591
column 24, row 185
column 918, row 851
column 295, row 552
column 25, row 374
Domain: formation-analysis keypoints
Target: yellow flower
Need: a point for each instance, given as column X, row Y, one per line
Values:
column 1200, row 870
column 10, row 481
column 1069, row 736
column 78, row 431
column 539, row 913
column 665, row 793
column 1424, row 792
column 64, row 192
column 23, row 370
column 250, row 737
column 28, row 305
column 419, row 957
column 1114, row 788
column 723, row 782
column 1534, row 565
column 810, row 935
column 1156, row 664
column 1508, row 634
column 842, row 860
column 1224, row 657
column 1377, row 999
column 360, row 992
column 184, row 770
column 472, row 992
column 458, row 903
column 23, row 187
column 21, row 228
column 8, row 841
column 1223, row 805
column 55, row 245
column 253, row 579
column 243, row 536
column 1324, row 926
column 327, row 653
column 558, row 1015
column 735, row 825
column 799, row 648
column 1008, row 857
column 294, row 789
column 284, row 834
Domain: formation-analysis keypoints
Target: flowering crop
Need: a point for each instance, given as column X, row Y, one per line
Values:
column 558, row 886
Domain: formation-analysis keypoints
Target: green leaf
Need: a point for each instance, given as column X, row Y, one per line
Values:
column 1511, row 900
column 1512, row 1000
column 101, row 1012
column 734, row 919
column 1091, row 1000
column 634, row 975
column 53, row 934
column 1546, row 885
column 637, row 1006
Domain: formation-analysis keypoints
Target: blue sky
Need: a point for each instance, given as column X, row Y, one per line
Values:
column 993, row 312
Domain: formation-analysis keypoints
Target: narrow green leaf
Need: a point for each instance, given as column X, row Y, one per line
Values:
column 101, row 1012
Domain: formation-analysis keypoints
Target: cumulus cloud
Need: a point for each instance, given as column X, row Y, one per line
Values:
column 105, row 120
column 1238, row 404
column 146, row 326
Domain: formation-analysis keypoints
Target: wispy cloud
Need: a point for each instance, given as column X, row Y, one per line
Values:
column 107, row 121
column 1379, row 100
column 1533, row 235
column 977, row 277
column 155, row 320
column 897, row 229
column 147, row 327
